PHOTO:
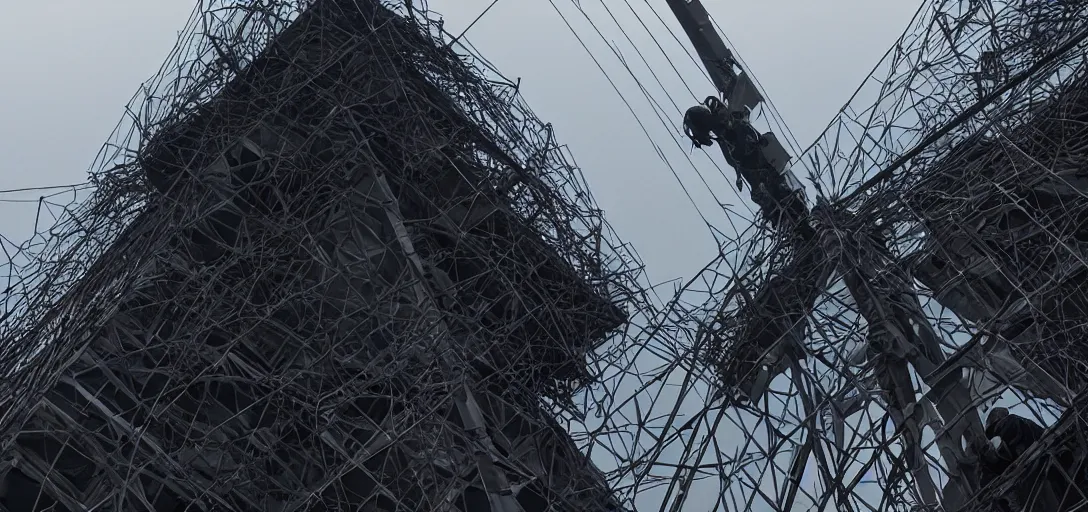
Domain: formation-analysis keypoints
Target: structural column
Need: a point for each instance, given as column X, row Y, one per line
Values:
column 494, row 479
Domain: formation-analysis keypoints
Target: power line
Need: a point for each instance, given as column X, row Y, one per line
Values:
column 679, row 110
column 775, row 118
column 673, row 130
column 630, row 108
column 780, row 121
column 84, row 184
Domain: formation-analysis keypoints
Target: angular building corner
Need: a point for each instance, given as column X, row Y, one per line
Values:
column 352, row 273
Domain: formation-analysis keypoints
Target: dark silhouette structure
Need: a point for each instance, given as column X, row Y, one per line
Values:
column 336, row 267
column 941, row 268
column 346, row 272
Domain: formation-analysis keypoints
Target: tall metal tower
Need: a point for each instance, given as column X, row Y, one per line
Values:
column 332, row 268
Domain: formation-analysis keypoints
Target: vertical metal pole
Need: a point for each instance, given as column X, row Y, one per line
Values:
column 900, row 334
column 717, row 58
column 892, row 320
column 495, row 482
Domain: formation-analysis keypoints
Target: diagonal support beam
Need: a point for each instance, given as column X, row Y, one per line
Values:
column 494, row 479
column 901, row 334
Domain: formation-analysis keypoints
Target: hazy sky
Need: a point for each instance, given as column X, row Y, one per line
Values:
column 810, row 56
column 70, row 66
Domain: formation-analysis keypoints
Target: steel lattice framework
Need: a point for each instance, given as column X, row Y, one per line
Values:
column 944, row 261
column 330, row 263
column 943, row 258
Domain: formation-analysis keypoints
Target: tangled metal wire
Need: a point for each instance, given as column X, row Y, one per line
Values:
column 276, row 330
column 330, row 263
column 852, row 362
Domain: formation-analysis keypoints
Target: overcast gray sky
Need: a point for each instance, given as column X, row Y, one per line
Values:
column 810, row 56
column 70, row 66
